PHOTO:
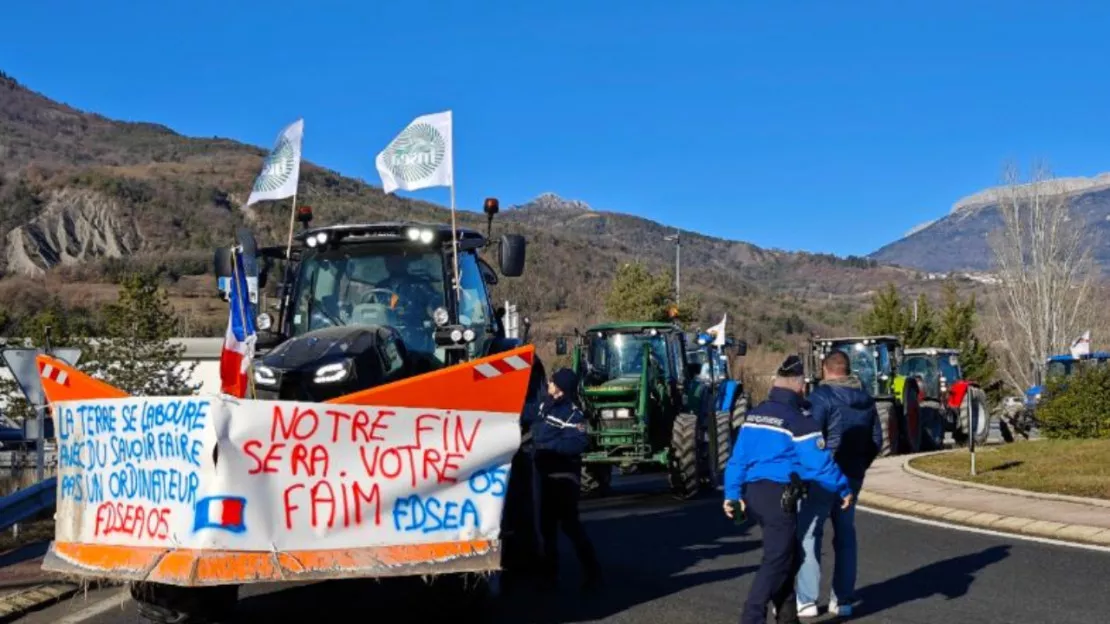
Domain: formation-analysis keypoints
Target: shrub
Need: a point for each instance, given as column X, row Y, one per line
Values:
column 1077, row 406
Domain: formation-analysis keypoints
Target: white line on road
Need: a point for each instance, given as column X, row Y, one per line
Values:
column 96, row 609
column 970, row 529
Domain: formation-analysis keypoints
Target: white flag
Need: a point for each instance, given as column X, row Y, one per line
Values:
column 420, row 156
column 718, row 332
column 282, row 168
column 1082, row 345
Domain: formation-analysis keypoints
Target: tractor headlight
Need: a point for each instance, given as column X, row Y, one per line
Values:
column 608, row 414
column 333, row 373
column 265, row 376
column 440, row 317
column 624, row 412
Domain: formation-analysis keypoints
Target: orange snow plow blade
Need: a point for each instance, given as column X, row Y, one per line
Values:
column 490, row 387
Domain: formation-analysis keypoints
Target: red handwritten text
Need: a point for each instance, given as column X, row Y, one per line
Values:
column 134, row 520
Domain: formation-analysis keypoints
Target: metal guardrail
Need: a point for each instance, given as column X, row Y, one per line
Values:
column 28, row 502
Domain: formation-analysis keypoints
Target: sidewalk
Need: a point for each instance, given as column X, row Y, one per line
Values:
column 890, row 487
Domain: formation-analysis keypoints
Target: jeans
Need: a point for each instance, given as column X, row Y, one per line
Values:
column 814, row 510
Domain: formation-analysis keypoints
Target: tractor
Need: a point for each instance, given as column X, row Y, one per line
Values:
column 729, row 394
column 874, row 359
column 948, row 400
column 646, row 407
column 358, row 306
column 1057, row 367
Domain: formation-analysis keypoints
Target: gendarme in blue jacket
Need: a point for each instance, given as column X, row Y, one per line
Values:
column 847, row 416
column 777, row 439
column 558, row 432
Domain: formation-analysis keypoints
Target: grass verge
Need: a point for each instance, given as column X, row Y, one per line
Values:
column 1072, row 467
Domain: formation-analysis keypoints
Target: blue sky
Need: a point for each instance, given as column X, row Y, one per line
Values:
column 812, row 125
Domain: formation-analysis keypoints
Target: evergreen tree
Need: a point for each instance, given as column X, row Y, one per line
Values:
column 957, row 331
column 920, row 326
column 637, row 295
column 887, row 314
column 135, row 353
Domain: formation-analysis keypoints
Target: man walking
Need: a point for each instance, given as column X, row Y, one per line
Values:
column 777, row 448
column 846, row 414
column 559, row 438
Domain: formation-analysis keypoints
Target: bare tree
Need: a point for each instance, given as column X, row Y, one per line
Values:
column 1046, row 270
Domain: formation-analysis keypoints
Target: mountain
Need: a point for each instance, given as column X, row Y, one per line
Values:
column 85, row 199
column 959, row 240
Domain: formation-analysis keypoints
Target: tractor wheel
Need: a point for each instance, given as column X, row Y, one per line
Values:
column 889, row 417
column 683, row 469
column 723, row 447
column 740, row 411
column 596, row 479
column 911, row 417
column 171, row 604
column 932, row 426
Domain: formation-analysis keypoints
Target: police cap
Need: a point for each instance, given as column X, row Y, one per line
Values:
column 791, row 367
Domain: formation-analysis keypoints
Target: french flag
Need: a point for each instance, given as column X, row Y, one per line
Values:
column 239, row 342
column 220, row 512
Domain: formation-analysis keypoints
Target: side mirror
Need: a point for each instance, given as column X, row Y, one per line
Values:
column 222, row 264
column 267, row 340
column 511, row 255
column 560, row 346
column 741, row 348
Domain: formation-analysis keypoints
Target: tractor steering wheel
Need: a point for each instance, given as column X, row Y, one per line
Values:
column 371, row 296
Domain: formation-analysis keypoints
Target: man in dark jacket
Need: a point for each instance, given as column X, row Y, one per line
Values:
column 846, row 413
column 559, row 439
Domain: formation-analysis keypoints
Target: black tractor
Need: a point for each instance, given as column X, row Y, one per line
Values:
column 358, row 306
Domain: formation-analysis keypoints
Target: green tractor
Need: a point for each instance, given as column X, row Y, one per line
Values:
column 646, row 407
column 875, row 359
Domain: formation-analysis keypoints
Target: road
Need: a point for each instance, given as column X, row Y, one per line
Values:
column 676, row 563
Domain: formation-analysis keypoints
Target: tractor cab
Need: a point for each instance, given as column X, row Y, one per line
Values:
column 936, row 370
column 874, row 359
column 360, row 305
column 716, row 370
column 1060, row 367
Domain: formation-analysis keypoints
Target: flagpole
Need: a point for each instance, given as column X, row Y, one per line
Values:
column 292, row 220
column 455, row 248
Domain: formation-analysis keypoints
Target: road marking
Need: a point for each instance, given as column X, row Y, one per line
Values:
column 970, row 529
column 96, row 609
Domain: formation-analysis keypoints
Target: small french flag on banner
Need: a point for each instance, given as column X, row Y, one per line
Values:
column 221, row 512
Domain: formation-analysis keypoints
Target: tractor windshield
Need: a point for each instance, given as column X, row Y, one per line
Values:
column 378, row 284
column 622, row 355
column 869, row 362
column 950, row 368
column 1058, row 368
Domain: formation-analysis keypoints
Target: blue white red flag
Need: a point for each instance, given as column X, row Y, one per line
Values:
column 239, row 342
column 220, row 512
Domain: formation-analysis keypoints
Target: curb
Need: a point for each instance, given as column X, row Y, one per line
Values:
column 1077, row 533
column 917, row 472
column 19, row 603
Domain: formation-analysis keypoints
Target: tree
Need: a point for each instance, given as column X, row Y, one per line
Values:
column 638, row 295
column 1045, row 267
column 889, row 316
column 956, row 330
column 136, row 353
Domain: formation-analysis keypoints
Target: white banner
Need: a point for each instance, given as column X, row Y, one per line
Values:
column 281, row 170
column 420, row 156
column 249, row 475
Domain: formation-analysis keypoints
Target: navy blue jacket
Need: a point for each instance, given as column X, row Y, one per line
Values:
column 558, row 436
column 777, row 439
column 847, row 416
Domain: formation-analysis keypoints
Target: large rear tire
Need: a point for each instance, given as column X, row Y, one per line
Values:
column 683, row 469
column 932, row 426
column 723, row 447
column 171, row 604
column 889, row 417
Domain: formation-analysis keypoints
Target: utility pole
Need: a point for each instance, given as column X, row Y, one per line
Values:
column 677, row 238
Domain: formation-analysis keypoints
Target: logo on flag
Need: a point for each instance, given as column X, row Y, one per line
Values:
column 239, row 341
column 718, row 332
column 221, row 512
column 420, row 156
column 281, row 169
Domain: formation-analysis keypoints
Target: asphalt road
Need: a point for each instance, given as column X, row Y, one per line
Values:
column 684, row 563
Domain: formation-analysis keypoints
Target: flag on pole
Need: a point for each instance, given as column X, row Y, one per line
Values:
column 1082, row 345
column 282, row 168
column 420, row 156
column 718, row 332
column 239, row 342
